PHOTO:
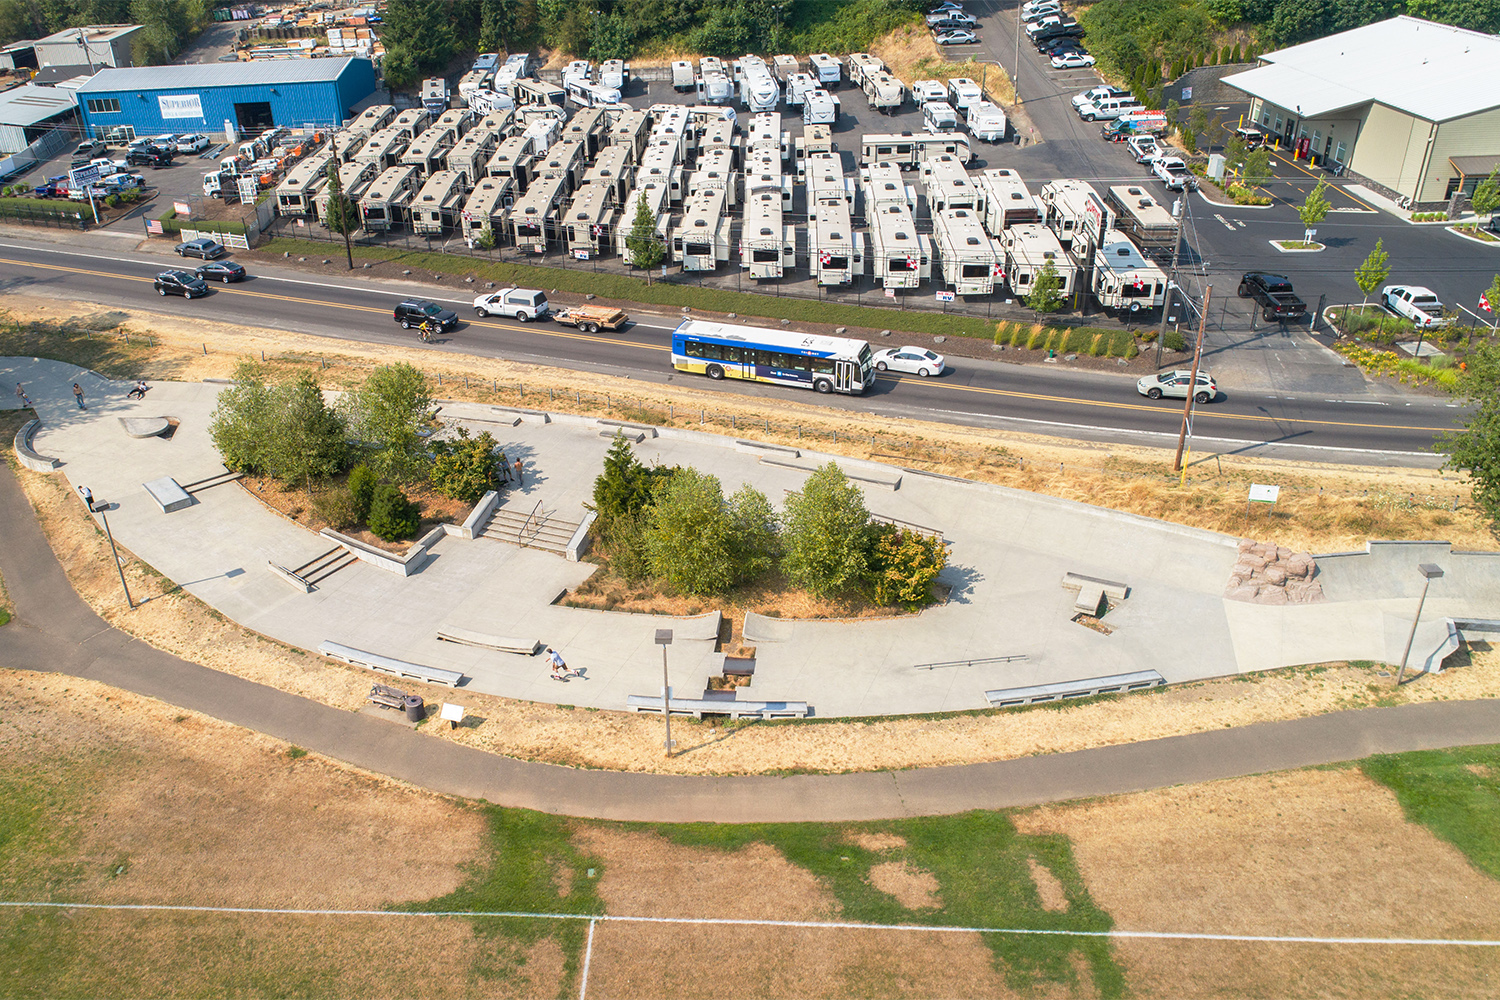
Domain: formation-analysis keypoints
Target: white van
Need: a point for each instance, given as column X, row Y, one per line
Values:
column 1110, row 107
column 524, row 304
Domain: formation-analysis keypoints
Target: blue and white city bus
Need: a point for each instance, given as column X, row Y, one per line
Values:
column 724, row 350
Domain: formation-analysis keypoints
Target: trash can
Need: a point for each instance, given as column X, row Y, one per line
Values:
column 415, row 710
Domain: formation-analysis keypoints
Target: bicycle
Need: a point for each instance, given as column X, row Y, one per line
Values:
column 427, row 331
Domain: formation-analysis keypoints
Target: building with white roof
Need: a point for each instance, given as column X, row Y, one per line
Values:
column 1409, row 104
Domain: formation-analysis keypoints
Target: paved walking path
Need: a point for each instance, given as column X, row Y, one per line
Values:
column 54, row 630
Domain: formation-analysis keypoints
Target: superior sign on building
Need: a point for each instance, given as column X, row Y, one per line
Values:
column 181, row 106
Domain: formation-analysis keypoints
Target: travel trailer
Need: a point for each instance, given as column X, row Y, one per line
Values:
column 612, row 169
column 384, row 149
column 813, row 140
column 586, row 222
column 938, row 116
column 435, row 95
column 1124, row 281
column 862, row 66
column 355, row 177
column 820, row 108
column 1075, row 213
column 886, row 93
column 412, row 121
column 701, row 241
column 374, row 118
column 835, row 253
column 971, row 260
column 631, row 130
column 587, row 128
column 768, row 249
column 825, row 179
column 1007, row 202
column 948, row 185
column 657, row 203
column 683, row 77
column 429, row 151
column 294, row 195
column 614, row 74
column 435, row 210
column 716, row 170
column 758, row 88
column 828, row 70
column 963, row 93
column 387, row 202
column 661, row 166
column 881, row 186
column 785, row 67
column 488, row 207
column 1028, row 247
column 909, row 151
column 515, row 159
column 763, row 174
column 714, row 85
column 1138, row 214
column 471, row 156
column 534, row 217
column 986, row 122
column 564, row 160
column 899, row 256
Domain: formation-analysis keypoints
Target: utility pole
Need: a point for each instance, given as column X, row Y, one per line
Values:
column 1016, row 81
column 1187, row 407
column 1177, row 210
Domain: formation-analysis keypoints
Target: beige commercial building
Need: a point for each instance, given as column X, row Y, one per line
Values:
column 1408, row 104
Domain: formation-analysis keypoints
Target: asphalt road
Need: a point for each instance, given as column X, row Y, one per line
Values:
column 1078, row 404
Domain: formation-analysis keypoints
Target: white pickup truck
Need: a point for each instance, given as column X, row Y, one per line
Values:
column 1174, row 173
column 1413, row 302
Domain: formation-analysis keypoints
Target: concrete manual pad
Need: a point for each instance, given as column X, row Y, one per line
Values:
column 169, row 496
column 145, row 427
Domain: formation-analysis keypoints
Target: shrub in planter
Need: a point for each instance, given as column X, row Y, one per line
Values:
column 1172, row 340
column 362, row 483
column 338, row 508
column 392, row 515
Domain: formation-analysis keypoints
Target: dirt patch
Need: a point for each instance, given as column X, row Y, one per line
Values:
column 180, row 808
column 1321, row 853
column 913, row 888
column 1048, row 887
column 295, row 504
column 644, row 875
column 877, row 841
column 1483, row 770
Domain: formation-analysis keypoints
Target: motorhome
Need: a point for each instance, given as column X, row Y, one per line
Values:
column 472, row 155
column 294, row 196
column 971, row 260
column 1124, row 281
column 938, row 116
column 613, row 169
column 683, row 77
column 355, row 179
column 412, row 121
column 758, row 88
column 767, row 247
column 835, row 253
column 514, row 158
column 436, row 208
column 472, row 82
column 825, row 179
column 785, row 67
column 534, row 216
column 631, row 130
column 1029, row 247
column 387, row 202
column 715, row 169
column 590, row 95
column 587, row 128
column 660, row 166
column 1069, row 206
column 374, row 118
column 1137, row 214
column 1007, row 202
column 899, row 256
column 614, row 74
column 435, row 95
column 814, row 139
column 828, row 70
column 701, row 241
column 948, row 186
column 384, row 149
column 488, row 207
column 564, row 160
column 986, row 122
column 429, row 151
column 963, row 92
column 657, row 203
column 820, row 108
column 862, row 66
column 909, row 151
column 586, row 222
column 885, row 92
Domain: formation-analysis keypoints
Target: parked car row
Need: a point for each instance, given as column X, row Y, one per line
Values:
column 951, row 26
column 1055, row 35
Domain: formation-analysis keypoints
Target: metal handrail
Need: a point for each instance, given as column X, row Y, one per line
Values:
column 527, row 522
column 970, row 663
column 908, row 526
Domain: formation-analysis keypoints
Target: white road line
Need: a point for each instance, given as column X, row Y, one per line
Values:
column 799, row 924
column 588, row 954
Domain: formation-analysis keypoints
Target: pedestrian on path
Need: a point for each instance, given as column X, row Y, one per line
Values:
column 518, row 472
column 559, row 668
column 88, row 497
column 78, row 395
column 21, row 395
column 504, row 467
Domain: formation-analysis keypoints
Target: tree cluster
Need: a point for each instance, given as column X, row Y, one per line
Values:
column 675, row 525
column 166, row 25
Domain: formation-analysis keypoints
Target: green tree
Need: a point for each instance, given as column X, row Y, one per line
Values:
column 1174, row 111
column 826, row 538
column 306, row 440
column 624, row 487
column 1046, row 291
column 392, row 515
column 904, row 565
column 1315, row 209
column 1197, row 125
column 1476, row 448
column 754, row 540
column 362, row 483
column 643, row 242
column 418, row 37
column 465, row 469
column 242, row 417
column 1486, row 196
column 688, row 538
column 1257, row 169
column 1373, row 273
column 387, row 414
column 342, row 214
column 1492, row 296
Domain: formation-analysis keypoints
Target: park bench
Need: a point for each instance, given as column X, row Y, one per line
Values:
column 389, row 664
column 723, row 703
column 1036, row 694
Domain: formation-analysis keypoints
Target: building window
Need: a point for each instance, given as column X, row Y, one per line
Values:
column 103, row 105
column 1265, row 118
column 1338, row 153
column 1278, row 124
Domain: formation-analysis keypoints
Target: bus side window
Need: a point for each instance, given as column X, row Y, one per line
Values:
column 822, row 366
column 732, row 354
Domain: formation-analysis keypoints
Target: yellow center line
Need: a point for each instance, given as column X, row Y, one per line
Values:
column 659, row 348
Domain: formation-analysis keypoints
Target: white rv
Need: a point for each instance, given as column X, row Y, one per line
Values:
column 1124, row 281
column 473, row 82
column 384, row 149
column 1075, row 212
column 825, row 179
column 631, row 130
column 657, row 203
column 471, row 156
column 1028, row 247
column 862, row 66
column 354, row 179
column 590, row 95
column 294, row 195
column 785, row 67
column 938, row 117
column 963, row 92
column 435, row 95
column 564, row 160
column 683, row 78
column 660, row 166
column 701, row 241
column 586, row 222
column 971, row 260
column 714, row 85
column 614, row 74
column 436, row 208
column 514, row 158
column 765, row 134
column 387, row 201
column 797, row 86
column 716, row 170
column 820, row 108
column 885, row 92
column 986, row 122
column 827, row 69
column 768, row 249
column 577, row 71
column 909, row 151
column 488, row 207
column 948, row 185
column 758, row 88
column 412, row 121
column 813, row 140
column 835, row 253
column 612, row 169
column 881, row 187
column 899, row 256
column 534, row 216
column 1007, row 202
column 721, row 135
column 763, row 175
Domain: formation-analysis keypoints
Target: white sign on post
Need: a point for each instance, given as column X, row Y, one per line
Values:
column 1260, row 493
column 451, row 714
column 1187, row 93
column 944, row 296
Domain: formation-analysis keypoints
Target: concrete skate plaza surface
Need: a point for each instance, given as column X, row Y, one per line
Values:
column 1009, row 553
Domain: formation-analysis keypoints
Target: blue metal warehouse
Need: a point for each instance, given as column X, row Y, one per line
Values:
column 252, row 96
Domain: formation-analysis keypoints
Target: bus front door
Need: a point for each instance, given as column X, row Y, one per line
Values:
column 843, row 376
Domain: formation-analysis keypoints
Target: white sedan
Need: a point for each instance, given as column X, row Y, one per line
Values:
column 1072, row 60
column 915, row 360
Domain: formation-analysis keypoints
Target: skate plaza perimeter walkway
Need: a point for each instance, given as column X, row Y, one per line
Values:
column 1008, row 623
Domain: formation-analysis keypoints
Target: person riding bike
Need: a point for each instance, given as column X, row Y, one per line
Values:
column 429, row 329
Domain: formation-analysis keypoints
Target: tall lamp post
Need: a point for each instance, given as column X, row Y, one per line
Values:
column 1430, row 572
column 99, row 507
column 664, row 639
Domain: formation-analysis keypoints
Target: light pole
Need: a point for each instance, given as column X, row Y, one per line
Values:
column 664, row 639
column 1430, row 572
column 99, row 507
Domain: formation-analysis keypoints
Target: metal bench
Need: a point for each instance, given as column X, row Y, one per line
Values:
column 1036, row 694
column 505, row 644
column 389, row 664
column 720, row 705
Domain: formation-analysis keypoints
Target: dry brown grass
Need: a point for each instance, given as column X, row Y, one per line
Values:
column 1048, row 887
column 1319, row 853
column 914, row 888
column 911, row 54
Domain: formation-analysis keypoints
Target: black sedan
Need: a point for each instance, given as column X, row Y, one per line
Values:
column 184, row 283
column 202, row 249
column 222, row 270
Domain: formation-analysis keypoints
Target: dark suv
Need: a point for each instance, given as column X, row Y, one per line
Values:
column 184, row 283
column 149, row 156
column 413, row 312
